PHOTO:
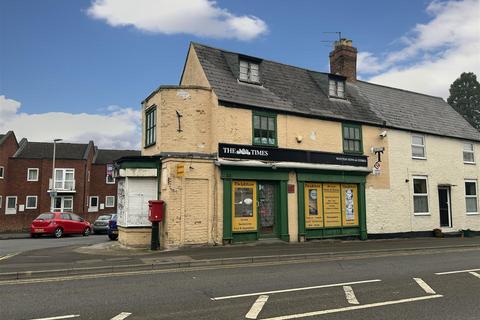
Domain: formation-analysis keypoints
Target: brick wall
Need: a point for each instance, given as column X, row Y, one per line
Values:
column 7, row 149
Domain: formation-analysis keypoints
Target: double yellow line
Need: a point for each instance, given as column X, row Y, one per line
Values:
column 9, row 256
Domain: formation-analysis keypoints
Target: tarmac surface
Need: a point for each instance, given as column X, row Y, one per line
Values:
column 110, row 256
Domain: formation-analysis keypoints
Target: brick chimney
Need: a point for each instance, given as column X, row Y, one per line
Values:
column 343, row 59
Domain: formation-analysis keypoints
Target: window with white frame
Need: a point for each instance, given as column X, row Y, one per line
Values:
column 65, row 179
column 11, row 205
column 2, row 172
column 93, row 204
column 336, row 88
column 110, row 201
column 468, row 153
column 420, row 195
column 249, row 71
column 32, row 174
column 31, row 202
column 63, row 204
column 418, row 146
column 471, row 198
column 1, row 200
column 110, row 179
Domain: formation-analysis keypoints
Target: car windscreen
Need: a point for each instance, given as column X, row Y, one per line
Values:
column 45, row 216
column 105, row 217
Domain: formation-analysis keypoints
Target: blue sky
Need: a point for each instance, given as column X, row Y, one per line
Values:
column 64, row 61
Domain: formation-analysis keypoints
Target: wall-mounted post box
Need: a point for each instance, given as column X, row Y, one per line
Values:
column 155, row 210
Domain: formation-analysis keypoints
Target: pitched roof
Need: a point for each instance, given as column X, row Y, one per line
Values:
column 44, row 150
column 104, row 156
column 4, row 136
column 301, row 91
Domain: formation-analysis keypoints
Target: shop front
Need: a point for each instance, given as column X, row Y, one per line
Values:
column 330, row 192
column 255, row 204
column 331, row 204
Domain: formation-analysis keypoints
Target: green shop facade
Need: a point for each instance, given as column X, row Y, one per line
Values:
column 330, row 189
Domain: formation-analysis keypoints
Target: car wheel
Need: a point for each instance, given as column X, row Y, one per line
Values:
column 113, row 236
column 58, row 233
column 86, row 232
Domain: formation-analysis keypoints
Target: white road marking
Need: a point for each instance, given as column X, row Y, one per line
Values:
column 256, row 307
column 459, row 271
column 5, row 257
column 294, row 289
column 424, row 286
column 121, row 316
column 350, row 295
column 365, row 306
column 59, row 317
column 475, row 274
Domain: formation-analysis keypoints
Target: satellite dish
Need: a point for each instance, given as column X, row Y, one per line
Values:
column 248, row 201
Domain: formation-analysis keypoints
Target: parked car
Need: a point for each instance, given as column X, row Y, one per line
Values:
column 58, row 224
column 101, row 224
column 112, row 230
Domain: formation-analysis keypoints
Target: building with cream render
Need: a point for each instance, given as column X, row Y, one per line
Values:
column 246, row 148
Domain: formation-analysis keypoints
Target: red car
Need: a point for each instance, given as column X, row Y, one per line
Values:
column 58, row 224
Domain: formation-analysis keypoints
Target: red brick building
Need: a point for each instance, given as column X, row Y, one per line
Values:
column 82, row 182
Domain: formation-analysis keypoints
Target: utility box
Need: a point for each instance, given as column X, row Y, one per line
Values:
column 156, row 210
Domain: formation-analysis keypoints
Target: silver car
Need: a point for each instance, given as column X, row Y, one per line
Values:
column 101, row 224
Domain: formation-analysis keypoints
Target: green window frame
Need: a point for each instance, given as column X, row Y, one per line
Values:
column 264, row 127
column 150, row 126
column 352, row 138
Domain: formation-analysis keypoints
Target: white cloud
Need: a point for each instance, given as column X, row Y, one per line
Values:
column 119, row 129
column 201, row 18
column 434, row 54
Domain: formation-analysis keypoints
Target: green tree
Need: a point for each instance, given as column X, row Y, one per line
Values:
column 465, row 98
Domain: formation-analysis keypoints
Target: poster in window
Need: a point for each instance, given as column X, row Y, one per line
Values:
column 244, row 206
column 350, row 204
column 332, row 206
column 313, row 205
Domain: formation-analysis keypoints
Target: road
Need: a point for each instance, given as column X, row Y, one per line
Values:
column 397, row 287
column 15, row 246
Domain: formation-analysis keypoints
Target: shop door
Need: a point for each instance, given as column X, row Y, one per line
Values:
column 444, row 204
column 267, row 209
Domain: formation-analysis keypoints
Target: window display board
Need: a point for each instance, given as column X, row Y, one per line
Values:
column 244, row 206
column 331, row 205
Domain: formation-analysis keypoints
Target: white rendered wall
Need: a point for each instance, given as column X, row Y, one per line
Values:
column 391, row 210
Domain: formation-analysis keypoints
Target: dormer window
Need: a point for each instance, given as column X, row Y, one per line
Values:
column 336, row 88
column 249, row 71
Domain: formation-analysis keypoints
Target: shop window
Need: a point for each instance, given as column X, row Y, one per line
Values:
column 32, row 174
column 471, row 196
column 31, row 202
column 244, row 206
column 249, row 71
column 264, row 129
column 331, row 205
column 352, row 138
column 468, row 153
column 418, row 146
column 150, row 126
column 420, row 195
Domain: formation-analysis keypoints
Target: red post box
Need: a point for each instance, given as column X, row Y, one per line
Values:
column 155, row 210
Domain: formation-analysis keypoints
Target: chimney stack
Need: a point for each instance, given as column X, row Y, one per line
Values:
column 343, row 59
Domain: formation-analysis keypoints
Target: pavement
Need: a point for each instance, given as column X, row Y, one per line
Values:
column 19, row 235
column 110, row 256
